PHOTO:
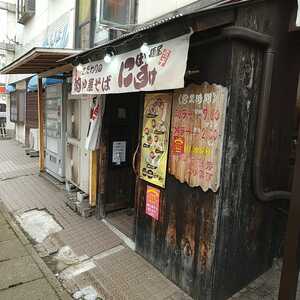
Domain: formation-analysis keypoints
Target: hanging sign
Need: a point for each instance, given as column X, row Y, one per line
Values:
column 152, row 202
column 162, row 68
column 198, row 117
column 155, row 139
column 96, row 116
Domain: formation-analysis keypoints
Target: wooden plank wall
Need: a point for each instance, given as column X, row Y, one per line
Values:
column 250, row 232
column 211, row 245
column 182, row 243
column 32, row 110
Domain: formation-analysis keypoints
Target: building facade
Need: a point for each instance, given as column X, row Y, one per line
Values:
column 177, row 131
column 7, row 50
column 47, row 24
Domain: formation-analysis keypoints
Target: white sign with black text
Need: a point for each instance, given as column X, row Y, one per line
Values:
column 161, row 67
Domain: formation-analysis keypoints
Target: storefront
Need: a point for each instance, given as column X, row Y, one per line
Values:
column 64, row 120
column 183, row 128
column 44, row 107
column 183, row 132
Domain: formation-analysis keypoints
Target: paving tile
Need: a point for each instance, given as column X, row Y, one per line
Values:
column 121, row 275
column 17, row 271
column 133, row 277
column 35, row 290
column 6, row 233
column 11, row 249
column 2, row 220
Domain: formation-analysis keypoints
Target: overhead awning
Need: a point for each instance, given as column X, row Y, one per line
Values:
column 38, row 60
column 10, row 88
column 33, row 82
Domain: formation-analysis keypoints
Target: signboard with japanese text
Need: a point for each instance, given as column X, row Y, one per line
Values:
column 198, row 117
column 162, row 68
column 152, row 202
column 96, row 116
column 155, row 138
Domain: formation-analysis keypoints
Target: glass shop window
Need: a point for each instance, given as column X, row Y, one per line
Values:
column 2, row 107
column 13, row 107
column 21, row 97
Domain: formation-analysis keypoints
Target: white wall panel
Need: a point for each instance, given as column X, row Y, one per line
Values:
column 151, row 9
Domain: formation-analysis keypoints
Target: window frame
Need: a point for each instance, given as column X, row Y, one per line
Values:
column 21, row 104
column 16, row 114
column 131, row 17
column 90, row 21
column 13, row 103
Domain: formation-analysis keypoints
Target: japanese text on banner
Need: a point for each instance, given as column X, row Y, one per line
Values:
column 162, row 68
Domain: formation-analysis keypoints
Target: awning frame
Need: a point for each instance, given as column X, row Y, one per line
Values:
column 38, row 60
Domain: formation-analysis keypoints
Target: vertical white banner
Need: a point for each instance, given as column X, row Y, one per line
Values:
column 94, row 131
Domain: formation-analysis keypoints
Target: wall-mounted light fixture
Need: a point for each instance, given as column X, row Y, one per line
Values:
column 145, row 49
column 79, row 68
column 110, row 52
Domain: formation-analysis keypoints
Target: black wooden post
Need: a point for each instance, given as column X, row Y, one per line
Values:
column 290, row 269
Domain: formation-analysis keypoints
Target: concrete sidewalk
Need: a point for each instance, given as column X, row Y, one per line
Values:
column 97, row 258
column 23, row 274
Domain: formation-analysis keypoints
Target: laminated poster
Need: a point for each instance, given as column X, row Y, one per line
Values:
column 155, row 138
column 152, row 202
column 197, row 130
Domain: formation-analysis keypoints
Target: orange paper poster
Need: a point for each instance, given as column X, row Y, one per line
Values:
column 152, row 202
column 197, row 130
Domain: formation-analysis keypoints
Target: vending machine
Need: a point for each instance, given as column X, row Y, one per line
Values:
column 77, row 126
column 55, row 131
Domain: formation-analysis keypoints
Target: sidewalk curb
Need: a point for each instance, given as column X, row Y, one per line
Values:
column 50, row 277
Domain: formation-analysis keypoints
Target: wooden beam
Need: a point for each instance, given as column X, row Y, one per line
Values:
column 41, row 125
column 93, row 178
column 290, row 268
column 60, row 69
column 212, row 20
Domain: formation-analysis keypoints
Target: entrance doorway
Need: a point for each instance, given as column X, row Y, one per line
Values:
column 121, row 123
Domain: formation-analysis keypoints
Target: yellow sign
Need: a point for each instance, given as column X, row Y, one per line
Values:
column 155, row 139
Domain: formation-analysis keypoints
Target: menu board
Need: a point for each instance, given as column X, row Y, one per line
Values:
column 155, row 138
column 152, row 202
column 198, row 117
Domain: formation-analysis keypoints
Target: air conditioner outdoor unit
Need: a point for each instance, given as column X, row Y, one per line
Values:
column 26, row 9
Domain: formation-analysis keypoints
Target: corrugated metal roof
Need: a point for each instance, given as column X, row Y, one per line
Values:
column 199, row 6
column 37, row 60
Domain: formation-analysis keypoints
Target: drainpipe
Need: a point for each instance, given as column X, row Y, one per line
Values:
column 261, row 130
column 265, row 41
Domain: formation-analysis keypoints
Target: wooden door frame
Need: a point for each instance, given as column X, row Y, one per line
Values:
column 103, row 168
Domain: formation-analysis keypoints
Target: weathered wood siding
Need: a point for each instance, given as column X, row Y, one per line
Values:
column 250, row 233
column 182, row 243
column 212, row 244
